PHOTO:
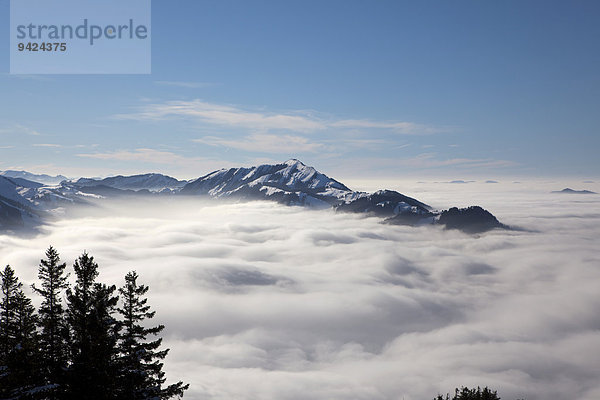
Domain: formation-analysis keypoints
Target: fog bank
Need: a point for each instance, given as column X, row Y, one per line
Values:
column 263, row 301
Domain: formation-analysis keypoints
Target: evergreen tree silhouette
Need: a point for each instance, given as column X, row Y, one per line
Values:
column 81, row 352
column 141, row 360
column 10, row 286
column 465, row 393
column 93, row 371
column 21, row 376
column 54, row 334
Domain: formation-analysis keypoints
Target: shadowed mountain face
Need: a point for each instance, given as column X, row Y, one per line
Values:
column 291, row 183
column 471, row 220
column 385, row 203
column 18, row 203
column 412, row 219
column 571, row 191
column 10, row 217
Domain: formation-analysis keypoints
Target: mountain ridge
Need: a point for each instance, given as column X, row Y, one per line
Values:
column 291, row 183
column 292, row 180
column 40, row 178
column 152, row 182
column 573, row 191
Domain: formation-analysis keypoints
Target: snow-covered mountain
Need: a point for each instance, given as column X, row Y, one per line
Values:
column 291, row 183
column 384, row 203
column 42, row 178
column 146, row 182
column 18, row 204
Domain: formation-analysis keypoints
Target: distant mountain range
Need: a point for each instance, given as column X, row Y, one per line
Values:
column 571, row 191
column 147, row 182
column 45, row 179
column 28, row 202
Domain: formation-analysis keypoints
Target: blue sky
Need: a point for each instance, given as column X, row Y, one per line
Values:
column 356, row 88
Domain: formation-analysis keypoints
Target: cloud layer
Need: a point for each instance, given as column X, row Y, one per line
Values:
column 270, row 302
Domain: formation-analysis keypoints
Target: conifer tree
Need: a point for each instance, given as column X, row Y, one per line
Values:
column 141, row 360
column 24, row 360
column 54, row 330
column 21, row 376
column 93, row 370
column 465, row 393
column 103, row 359
column 10, row 285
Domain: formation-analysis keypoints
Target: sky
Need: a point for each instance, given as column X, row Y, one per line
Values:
column 393, row 89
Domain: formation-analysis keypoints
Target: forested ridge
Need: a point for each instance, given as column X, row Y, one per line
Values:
column 88, row 340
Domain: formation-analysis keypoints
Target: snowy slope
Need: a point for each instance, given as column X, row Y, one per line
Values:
column 385, row 203
column 17, row 203
column 18, row 190
column 291, row 182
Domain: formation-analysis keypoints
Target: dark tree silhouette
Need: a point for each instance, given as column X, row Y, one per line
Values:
column 20, row 377
column 54, row 334
column 93, row 370
column 471, row 394
column 141, row 359
column 82, row 352
column 8, row 327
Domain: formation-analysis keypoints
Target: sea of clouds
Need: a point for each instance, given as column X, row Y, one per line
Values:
column 263, row 301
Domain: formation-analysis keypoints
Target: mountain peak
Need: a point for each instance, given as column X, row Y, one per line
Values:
column 292, row 181
column 294, row 162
